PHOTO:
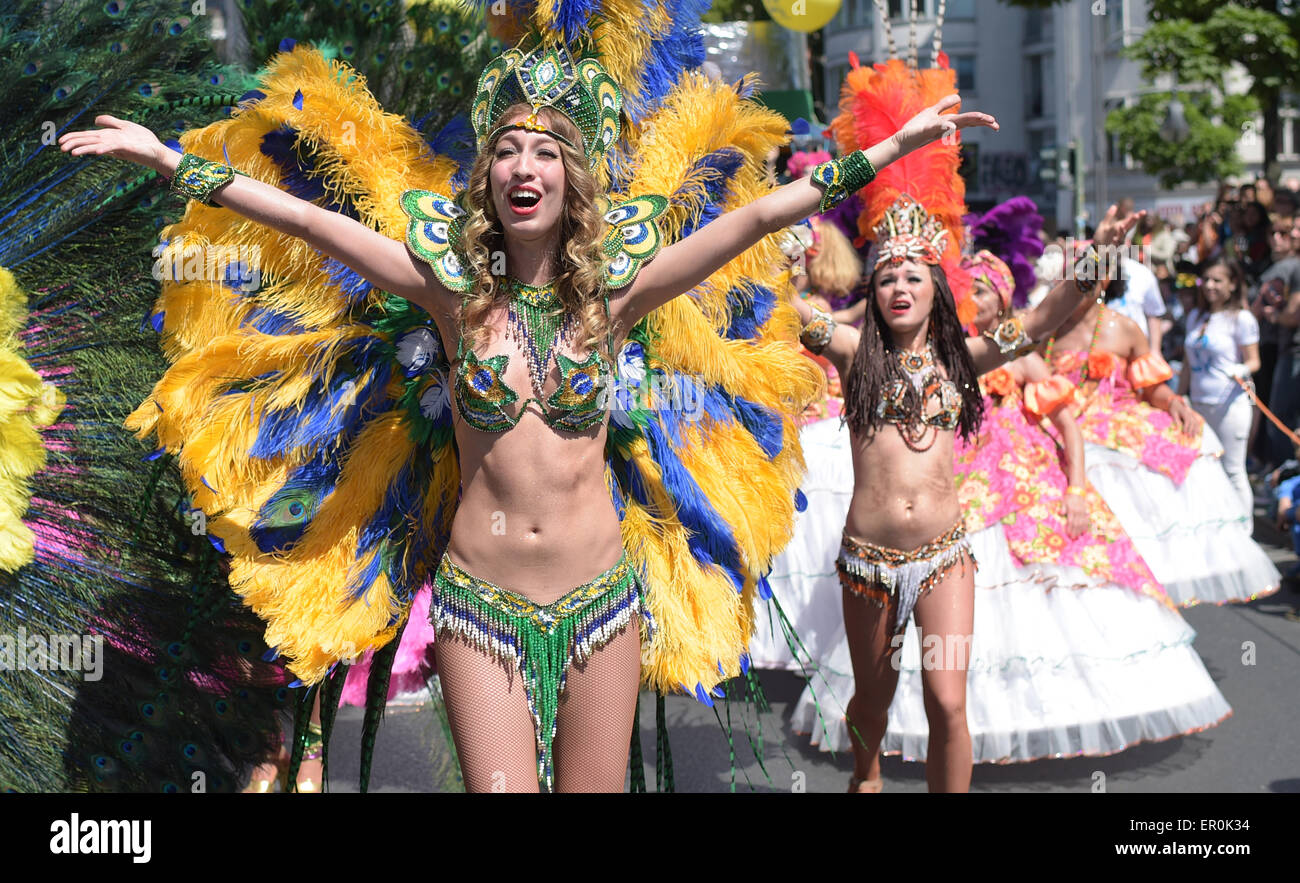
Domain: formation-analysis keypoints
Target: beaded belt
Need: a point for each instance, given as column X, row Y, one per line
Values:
column 542, row 640
column 879, row 573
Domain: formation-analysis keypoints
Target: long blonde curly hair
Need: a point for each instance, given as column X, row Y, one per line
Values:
column 580, row 282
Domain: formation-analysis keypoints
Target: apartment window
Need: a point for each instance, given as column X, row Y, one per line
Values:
column 901, row 9
column 1113, row 22
column 1039, row 140
column 1290, row 124
column 958, row 10
column 964, row 65
column 1114, row 155
column 1034, row 98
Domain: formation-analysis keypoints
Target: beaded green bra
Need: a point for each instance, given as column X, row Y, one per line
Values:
column 483, row 396
column 434, row 235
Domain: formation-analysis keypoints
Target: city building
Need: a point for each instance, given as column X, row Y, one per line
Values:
column 1050, row 77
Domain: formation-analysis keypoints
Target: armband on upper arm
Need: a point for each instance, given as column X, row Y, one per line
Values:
column 817, row 334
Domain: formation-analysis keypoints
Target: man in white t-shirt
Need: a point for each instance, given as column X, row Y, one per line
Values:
column 1142, row 301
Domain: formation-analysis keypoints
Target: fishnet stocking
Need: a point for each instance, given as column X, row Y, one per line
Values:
column 594, row 729
column 493, row 729
column 489, row 718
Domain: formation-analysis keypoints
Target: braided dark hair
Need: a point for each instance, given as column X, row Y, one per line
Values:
column 875, row 366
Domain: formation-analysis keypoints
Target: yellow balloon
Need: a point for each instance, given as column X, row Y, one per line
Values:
column 802, row 15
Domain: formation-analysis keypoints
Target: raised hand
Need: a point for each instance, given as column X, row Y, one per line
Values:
column 933, row 123
column 118, row 138
column 1111, row 231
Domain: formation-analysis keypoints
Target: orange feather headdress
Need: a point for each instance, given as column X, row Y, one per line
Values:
column 875, row 102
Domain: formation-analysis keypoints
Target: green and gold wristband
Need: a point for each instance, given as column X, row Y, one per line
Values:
column 841, row 177
column 198, row 178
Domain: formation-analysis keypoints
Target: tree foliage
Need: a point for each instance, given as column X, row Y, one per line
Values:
column 1207, row 154
column 1198, row 41
column 736, row 10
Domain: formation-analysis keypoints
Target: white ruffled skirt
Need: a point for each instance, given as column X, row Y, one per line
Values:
column 1055, row 671
column 803, row 577
column 1193, row 536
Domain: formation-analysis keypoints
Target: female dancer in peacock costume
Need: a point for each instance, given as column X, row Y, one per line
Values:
column 1076, row 648
column 417, row 356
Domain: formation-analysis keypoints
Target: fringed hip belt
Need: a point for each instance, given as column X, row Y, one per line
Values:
column 881, row 574
column 541, row 640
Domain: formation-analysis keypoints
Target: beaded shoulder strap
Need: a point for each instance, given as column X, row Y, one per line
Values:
column 633, row 238
column 433, row 234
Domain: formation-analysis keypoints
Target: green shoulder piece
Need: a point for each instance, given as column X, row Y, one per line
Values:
column 434, row 235
column 633, row 237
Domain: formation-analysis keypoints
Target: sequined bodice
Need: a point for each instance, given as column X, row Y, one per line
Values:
column 485, row 400
column 940, row 398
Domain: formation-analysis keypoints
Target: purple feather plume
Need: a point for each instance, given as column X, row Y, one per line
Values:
column 1010, row 230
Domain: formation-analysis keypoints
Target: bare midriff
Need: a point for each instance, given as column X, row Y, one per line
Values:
column 535, row 515
column 902, row 498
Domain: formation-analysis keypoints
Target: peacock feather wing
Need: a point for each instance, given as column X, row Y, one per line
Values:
column 309, row 414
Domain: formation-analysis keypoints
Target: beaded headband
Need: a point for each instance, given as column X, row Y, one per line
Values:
column 549, row 76
column 907, row 232
column 531, row 123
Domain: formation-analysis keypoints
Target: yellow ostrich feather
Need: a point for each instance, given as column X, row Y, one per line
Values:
column 26, row 403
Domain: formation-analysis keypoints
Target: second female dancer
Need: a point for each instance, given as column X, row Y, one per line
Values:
column 910, row 386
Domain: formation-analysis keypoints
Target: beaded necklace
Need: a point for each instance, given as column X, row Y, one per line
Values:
column 916, row 365
column 1096, row 332
column 538, row 324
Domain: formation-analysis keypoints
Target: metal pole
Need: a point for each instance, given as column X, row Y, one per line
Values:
column 1099, row 151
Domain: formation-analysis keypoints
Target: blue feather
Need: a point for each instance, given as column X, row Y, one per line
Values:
column 297, row 179
column 763, row 424
column 321, row 416
column 750, row 306
column 709, row 181
column 361, row 583
column 709, row 536
column 764, row 588
column 455, row 140
column 269, row 321
column 347, row 280
column 800, row 501
column 572, row 17
column 286, row 515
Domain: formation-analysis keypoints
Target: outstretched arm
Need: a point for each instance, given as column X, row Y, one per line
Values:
column 685, row 264
column 1054, row 309
column 384, row 262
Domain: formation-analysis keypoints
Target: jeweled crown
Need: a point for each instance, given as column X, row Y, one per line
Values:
column 548, row 75
column 907, row 232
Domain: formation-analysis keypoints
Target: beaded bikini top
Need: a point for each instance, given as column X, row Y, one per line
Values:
column 537, row 325
column 940, row 398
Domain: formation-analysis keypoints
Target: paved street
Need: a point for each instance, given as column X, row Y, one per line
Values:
column 1252, row 751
